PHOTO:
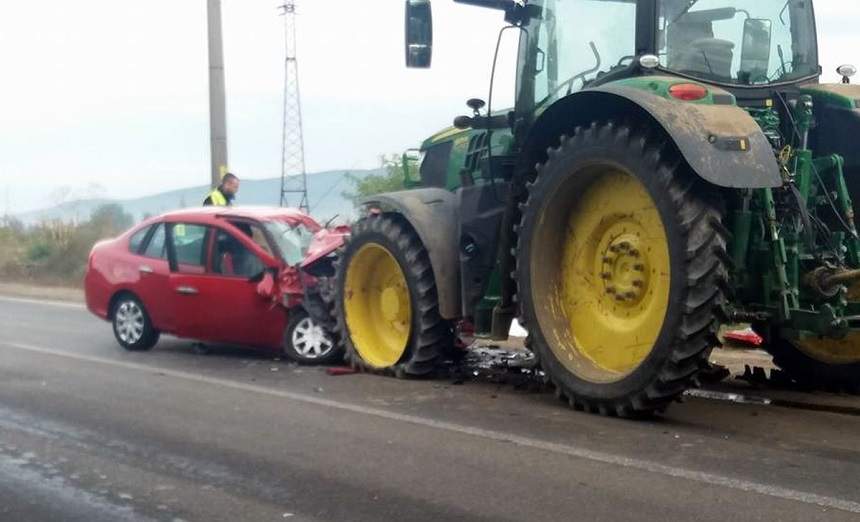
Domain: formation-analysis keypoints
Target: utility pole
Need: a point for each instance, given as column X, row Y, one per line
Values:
column 294, row 177
column 217, row 94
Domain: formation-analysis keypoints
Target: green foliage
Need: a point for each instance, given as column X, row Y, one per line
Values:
column 39, row 251
column 392, row 180
column 53, row 251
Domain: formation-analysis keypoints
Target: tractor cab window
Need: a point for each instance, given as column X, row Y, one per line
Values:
column 570, row 43
column 741, row 42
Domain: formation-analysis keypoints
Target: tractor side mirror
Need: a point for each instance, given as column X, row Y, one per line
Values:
column 412, row 167
column 419, row 34
column 755, row 54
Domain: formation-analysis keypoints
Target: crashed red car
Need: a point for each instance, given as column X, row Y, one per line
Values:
column 252, row 277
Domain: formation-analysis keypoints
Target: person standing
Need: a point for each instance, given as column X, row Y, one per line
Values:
column 224, row 195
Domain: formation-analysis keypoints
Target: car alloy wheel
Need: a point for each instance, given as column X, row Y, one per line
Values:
column 310, row 340
column 130, row 322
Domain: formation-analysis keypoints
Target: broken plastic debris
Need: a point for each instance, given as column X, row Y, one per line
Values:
column 746, row 336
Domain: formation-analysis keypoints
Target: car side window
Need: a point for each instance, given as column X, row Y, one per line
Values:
column 189, row 247
column 156, row 247
column 231, row 258
column 135, row 243
column 256, row 234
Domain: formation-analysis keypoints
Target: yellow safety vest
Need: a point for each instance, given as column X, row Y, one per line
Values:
column 217, row 198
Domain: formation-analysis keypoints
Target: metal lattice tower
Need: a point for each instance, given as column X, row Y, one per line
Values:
column 294, row 177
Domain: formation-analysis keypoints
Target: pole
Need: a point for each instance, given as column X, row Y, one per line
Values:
column 217, row 94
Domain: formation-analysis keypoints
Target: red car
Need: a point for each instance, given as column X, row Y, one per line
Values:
column 244, row 276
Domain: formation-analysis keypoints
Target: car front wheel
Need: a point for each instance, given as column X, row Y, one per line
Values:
column 308, row 342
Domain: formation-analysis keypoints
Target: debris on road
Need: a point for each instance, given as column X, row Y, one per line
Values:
column 747, row 337
column 340, row 370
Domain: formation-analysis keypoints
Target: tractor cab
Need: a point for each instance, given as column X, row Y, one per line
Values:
column 570, row 45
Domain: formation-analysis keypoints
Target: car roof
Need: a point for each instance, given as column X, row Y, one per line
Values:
column 290, row 215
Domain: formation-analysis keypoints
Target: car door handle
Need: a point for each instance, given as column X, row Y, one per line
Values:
column 187, row 290
column 145, row 269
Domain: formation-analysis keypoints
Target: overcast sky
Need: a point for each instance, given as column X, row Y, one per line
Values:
column 113, row 93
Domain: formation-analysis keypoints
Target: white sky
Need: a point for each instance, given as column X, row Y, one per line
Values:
column 114, row 93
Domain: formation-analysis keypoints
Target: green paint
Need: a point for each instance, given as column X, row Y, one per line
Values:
column 823, row 96
column 660, row 85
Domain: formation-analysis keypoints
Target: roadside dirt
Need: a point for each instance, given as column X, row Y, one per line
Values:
column 52, row 293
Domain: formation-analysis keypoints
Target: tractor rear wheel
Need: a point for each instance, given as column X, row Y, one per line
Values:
column 620, row 271
column 387, row 306
column 821, row 363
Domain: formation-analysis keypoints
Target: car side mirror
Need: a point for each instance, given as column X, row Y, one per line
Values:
column 266, row 284
column 419, row 34
column 755, row 54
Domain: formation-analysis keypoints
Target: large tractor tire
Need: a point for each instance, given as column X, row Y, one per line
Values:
column 820, row 363
column 387, row 306
column 620, row 270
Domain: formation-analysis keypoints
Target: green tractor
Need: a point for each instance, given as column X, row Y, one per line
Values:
column 669, row 167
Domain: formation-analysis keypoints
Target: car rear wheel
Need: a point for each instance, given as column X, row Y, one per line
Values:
column 308, row 342
column 132, row 326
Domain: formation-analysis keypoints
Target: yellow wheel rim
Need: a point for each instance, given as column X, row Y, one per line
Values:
column 832, row 351
column 610, row 284
column 377, row 305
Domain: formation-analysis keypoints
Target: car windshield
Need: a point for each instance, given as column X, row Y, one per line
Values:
column 292, row 241
column 741, row 42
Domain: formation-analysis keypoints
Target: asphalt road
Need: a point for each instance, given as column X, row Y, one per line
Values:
column 90, row 433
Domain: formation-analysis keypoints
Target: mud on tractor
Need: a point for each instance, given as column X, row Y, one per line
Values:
column 669, row 166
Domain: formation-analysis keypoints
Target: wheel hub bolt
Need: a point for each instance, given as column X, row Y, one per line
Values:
column 610, row 290
column 630, row 295
column 638, row 284
column 606, row 275
column 634, row 253
column 639, row 267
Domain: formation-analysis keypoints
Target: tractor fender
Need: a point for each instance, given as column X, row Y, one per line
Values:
column 432, row 213
column 720, row 142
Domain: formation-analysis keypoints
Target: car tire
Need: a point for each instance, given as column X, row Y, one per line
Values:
column 308, row 342
column 132, row 326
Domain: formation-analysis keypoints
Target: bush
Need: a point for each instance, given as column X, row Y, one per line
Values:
column 56, row 252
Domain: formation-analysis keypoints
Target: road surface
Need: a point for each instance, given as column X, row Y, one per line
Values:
column 90, row 433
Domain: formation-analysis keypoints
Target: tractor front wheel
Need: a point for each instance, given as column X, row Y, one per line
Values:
column 620, row 271
column 386, row 306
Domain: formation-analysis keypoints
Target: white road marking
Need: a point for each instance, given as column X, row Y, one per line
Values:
column 61, row 304
column 496, row 436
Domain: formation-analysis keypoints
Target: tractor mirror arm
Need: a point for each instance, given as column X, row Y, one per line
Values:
column 482, row 122
column 503, row 5
column 516, row 11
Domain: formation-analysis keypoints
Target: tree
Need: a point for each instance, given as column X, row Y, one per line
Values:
column 110, row 219
column 393, row 178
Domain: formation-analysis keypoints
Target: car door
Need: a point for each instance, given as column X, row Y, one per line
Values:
column 188, row 245
column 238, row 264
column 217, row 287
column 152, row 282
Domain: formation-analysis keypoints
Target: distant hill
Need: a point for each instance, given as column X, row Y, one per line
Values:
column 324, row 193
